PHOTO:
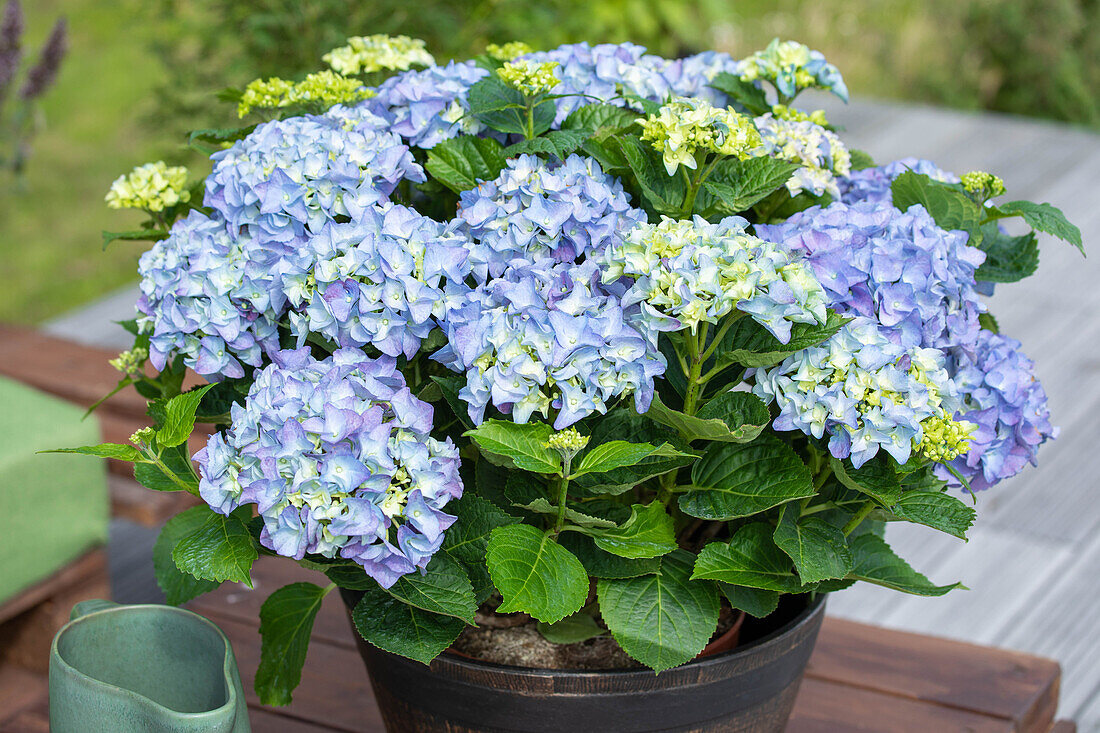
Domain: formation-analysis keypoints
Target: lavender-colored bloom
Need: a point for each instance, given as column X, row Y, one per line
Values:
column 337, row 457
column 1005, row 400
column 549, row 335
column 428, row 106
column 534, row 210
column 691, row 76
column 898, row 268
column 11, row 38
column 873, row 184
column 42, row 74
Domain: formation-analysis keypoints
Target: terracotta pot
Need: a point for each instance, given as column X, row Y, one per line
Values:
column 751, row 688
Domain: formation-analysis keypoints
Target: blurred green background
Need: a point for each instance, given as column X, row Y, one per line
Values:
column 140, row 74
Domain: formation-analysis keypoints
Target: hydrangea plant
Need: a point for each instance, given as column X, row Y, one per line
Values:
column 602, row 338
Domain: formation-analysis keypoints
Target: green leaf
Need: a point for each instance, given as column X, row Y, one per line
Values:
column 753, row 601
column 661, row 620
column 444, row 588
column 601, row 564
column 460, row 163
column 745, row 95
column 751, row 558
column 352, row 577
column 1008, row 259
column 946, row 203
column 543, row 506
column 737, row 185
column 450, row 387
column 178, row 587
column 220, row 548
column 609, row 154
column 136, row 235
column 502, row 107
column 621, row 454
column 861, row 160
column 523, row 446
column 559, row 143
column 217, row 136
column 179, row 417
column 818, row 549
column 625, row 424
column 1045, row 218
column 936, row 510
column 104, row 450
column 733, row 419
column 876, row 563
column 535, row 574
column 741, row 479
column 286, row 621
column 467, row 538
column 664, row 193
column 571, row 629
column 601, row 120
column 876, row 478
column 750, row 344
column 649, row 532
column 988, row 322
column 399, row 628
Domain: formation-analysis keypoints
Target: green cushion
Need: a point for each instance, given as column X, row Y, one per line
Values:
column 53, row 507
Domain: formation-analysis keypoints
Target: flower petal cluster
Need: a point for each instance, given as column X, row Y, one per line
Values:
column 873, row 184
column 152, row 187
column 508, row 51
column 429, row 106
column 898, row 268
column 323, row 88
column 337, row 457
column 862, row 390
column 289, row 177
column 1008, row 404
column 685, row 272
column 819, row 151
column 535, row 209
column 691, row 76
column 682, row 128
column 791, row 67
column 367, row 54
column 529, row 77
column 549, row 335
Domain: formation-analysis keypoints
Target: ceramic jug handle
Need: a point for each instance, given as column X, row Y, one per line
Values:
column 85, row 607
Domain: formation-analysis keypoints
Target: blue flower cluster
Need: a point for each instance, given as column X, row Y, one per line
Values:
column 791, row 67
column 428, row 106
column 549, row 335
column 1007, row 403
column 873, row 184
column 863, row 391
column 337, row 457
column 898, row 268
column 691, row 76
column 819, row 151
column 535, row 209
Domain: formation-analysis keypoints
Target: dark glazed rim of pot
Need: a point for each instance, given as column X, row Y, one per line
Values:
column 691, row 671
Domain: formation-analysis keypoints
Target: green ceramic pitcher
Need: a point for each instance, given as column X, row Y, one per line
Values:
column 149, row 668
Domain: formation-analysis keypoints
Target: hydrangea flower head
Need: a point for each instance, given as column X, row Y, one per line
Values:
column 535, row 209
column 873, row 184
column 508, row 51
column 683, row 273
column 683, row 128
column 323, row 89
column 819, row 151
column 783, row 112
column 529, row 77
column 983, row 185
column 791, row 67
column 897, row 268
column 337, row 458
column 691, row 76
column 367, row 54
column 429, row 106
column 152, row 187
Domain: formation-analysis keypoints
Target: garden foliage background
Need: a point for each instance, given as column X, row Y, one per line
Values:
column 142, row 72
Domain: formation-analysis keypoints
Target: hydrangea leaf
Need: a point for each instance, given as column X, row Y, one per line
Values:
column 443, row 588
column 626, row 425
column 737, row 185
column 876, row 563
column 818, row 549
column 220, row 548
column 450, row 386
column 1044, row 218
column 608, row 154
column 535, row 574
column 559, row 143
column 751, row 558
column 523, row 446
column 735, row 480
column 467, row 538
column 745, row 95
column 136, row 235
column 501, row 107
column 744, row 414
column 988, row 322
column 664, row 193
column 579, row 519
column 175, row 475
column 573, row 629
column 753, row 601
column 861, row 160
column 735, row 425
column 117, row 451
column 601, row 120
column 946, row 203
column 460, row 163
column 179, row 417
column 1008, row 259
column 935, row 509
column 650, row 532
column 876, row 478
column 602, row 564
column 399, row 628
column 178, row 587
column 621, row 454
column 351, row 576
column 751, row 345
column 286, row 621
column 661, row 620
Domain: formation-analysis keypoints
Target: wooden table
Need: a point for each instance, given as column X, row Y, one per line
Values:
column 861, row 678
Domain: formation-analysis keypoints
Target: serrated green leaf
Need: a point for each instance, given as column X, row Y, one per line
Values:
column 444, row 588
column 460, row 163
column 178, row 587
column 523, row 446
column 988, row 322
column 559, row 143
column 543, row 506
column 535, row 574
column 1045, row 218
column 608, row 154
column 736, row 185
column 620, row 454
column 751, row 345
column 818, row 549
column 734, row 419
column 103, row 450
column 1008, row 259
column 177, row 474
column 450, row 387
column 744, row 95
column 735, row 480
column 751, row 558
column 571, row 629
column 601, row 564
column 136, row 235
column 352, row 577
column 946, row 203
column 876, row 478
column 501, row 107
column 861, row 160
column 399, row 628
column 221, row 135
column 601, row 120
column 220, row 548
column 753, row 601
column 179, row 417
column 649, row 532
column 664, row 193
column 936, row 510
column 661, row 620
column 876, row 563
column 625, row 424
column 286, row 622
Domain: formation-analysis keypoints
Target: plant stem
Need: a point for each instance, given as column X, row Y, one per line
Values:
column 530, row 134
column 695, row 383
column 866, row 508
column 562, row 492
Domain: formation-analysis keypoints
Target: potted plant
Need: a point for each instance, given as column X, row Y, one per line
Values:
column 555, row 362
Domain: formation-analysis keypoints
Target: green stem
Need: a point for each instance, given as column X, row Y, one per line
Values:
column 156, row 461
column 866, row 508
column 530, row 134
column 727, row 324
column 694, row 186
column 562, row 492
column 695, row 382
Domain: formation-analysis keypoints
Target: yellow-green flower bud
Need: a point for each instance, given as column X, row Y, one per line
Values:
column 783, row 112
column 142, row 437
column 130, row 362
column 980, row 183
column 944, row 439
column 508, row 51
column 567, row 441
column 530, row 77
column 151, row 187
column 324, row 88
column 367, row 54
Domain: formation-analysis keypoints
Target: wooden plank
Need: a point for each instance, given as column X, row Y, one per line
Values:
column 263, row 720
column 20, row 690
column 92, row 565
column 1007, row 685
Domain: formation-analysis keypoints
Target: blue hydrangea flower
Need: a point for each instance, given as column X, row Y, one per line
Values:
column 791, row 67
column 819, row 151
column 290, row 177
column 873, row 184
column 899, row 268
column 1008, row 404
column 428, row 106
column 863, row 391
column 691, row 76
column 535, row 209
column 549, row 335
column 337, row 457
